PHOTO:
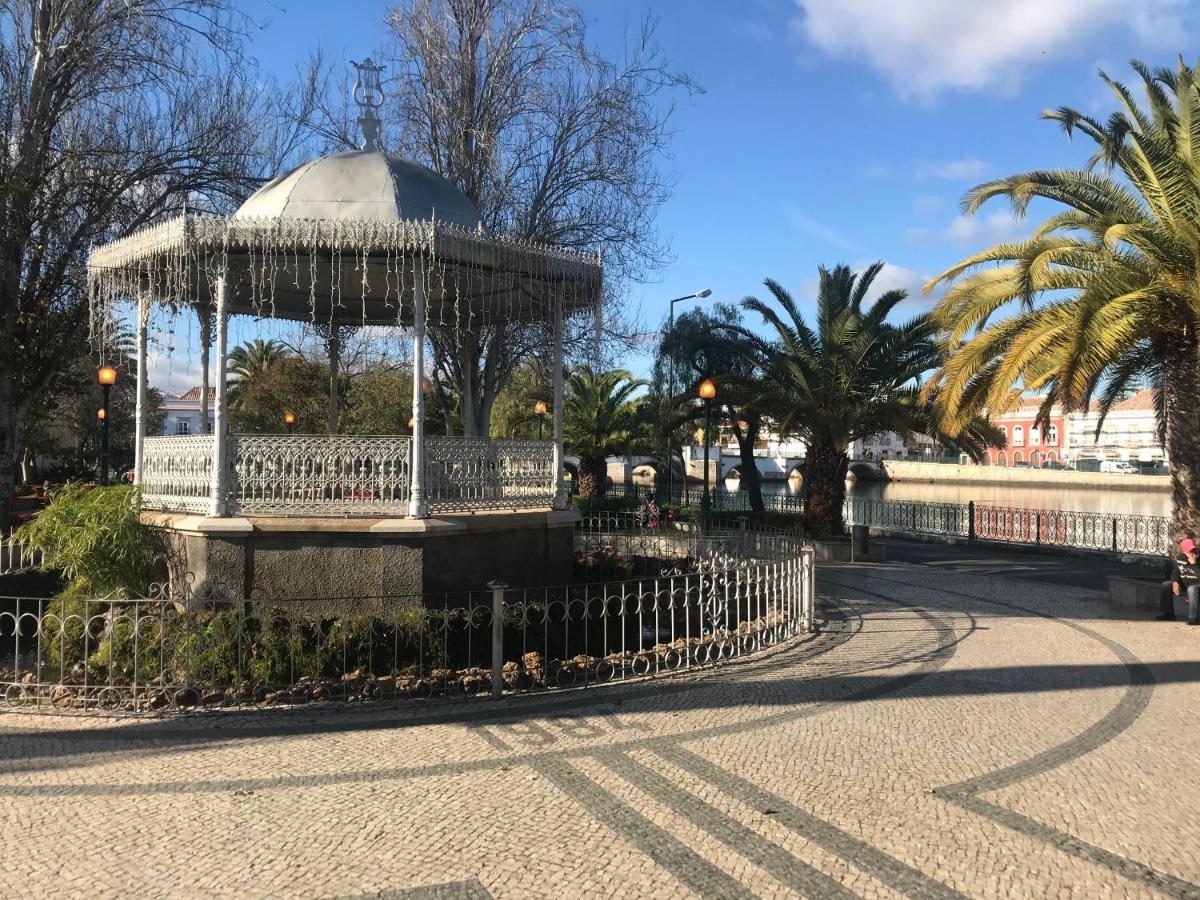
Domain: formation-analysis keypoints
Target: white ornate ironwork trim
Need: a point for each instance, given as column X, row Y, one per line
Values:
column 283, row 474
column 177, row 472
column 478, row 473
column 334, row 263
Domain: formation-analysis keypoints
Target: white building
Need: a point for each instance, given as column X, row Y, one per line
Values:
column 1130, row 432
column 182, row 413
column 889, row 445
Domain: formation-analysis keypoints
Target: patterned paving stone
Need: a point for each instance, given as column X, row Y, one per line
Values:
column 945, row 735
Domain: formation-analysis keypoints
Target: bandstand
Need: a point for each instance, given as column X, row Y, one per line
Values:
column 352, row 238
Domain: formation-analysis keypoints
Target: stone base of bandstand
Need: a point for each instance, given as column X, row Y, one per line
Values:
column 286, row 558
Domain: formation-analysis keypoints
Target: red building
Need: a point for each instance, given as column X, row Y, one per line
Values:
column 1028, row 443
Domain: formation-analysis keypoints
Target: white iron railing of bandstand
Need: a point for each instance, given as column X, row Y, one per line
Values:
column 479, row 473
column 284, row 474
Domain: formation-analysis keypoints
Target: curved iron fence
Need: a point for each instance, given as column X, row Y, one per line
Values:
column 646, row 601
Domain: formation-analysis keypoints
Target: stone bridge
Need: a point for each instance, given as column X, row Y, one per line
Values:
column 727, row 465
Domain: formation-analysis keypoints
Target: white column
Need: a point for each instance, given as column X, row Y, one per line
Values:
column 139, row 428
column 417, row 507
column 220, row 481
column 560, row 489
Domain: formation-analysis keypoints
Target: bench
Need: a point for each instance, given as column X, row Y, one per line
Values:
column 1140, row 593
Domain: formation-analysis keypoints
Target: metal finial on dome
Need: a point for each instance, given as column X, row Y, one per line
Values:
column 368, row 94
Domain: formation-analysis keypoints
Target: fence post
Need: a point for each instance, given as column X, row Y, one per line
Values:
column 498, row 589
column 1114, row 535
column 970, row 521
column 1037, row 526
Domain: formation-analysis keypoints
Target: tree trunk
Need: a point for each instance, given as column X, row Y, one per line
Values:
column 593, row 476
column 27, row 466
column 825, row 475
column 751, row 480
column 1181, row 383
column 683, row 462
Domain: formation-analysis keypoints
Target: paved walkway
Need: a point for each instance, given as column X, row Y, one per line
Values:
column 946, row 734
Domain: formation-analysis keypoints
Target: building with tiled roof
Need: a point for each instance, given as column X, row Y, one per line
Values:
column 182, row 413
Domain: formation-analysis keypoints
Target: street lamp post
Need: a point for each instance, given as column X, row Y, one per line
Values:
column 708, row 391
column 539, row 410
column 699, row 295
column 107, row 376
column 289, row 419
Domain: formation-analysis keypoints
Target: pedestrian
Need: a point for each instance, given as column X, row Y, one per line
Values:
column 650, row 512
column 1184, row 577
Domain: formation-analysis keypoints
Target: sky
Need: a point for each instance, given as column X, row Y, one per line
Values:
column 832, row 130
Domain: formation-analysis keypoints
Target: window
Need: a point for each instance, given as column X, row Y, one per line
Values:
column 183, row 426
column 1035, row 437
column 1052, row 436
column 1004, row 431
column 1018, row 436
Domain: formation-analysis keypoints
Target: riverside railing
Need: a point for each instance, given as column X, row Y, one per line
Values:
column 1118, row 533
column 647, row 602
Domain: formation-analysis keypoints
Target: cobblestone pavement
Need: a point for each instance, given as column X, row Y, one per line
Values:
column 944, row 735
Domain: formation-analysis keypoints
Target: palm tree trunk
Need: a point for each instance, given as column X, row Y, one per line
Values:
column 751, row 480
column 593, row 476
column 825, row 474
column 1181, row 383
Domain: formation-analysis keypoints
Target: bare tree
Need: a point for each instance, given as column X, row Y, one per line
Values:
column 113, row 113
column 549, row 139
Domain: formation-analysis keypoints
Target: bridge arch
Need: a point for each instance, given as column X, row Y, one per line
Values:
column 649, row 468
column 861, row 470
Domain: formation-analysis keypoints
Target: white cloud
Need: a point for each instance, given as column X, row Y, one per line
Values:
column 825, row 233
column 926, row 47
column 172, row 374
column 951, row 169
column 1001, row 225
column 894, row 277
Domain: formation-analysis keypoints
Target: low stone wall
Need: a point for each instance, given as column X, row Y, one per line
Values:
column 295, row 558
column 904, row 470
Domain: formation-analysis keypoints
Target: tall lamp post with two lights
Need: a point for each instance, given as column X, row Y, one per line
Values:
column 107, row 376
column 708, row 391
column 699, row 295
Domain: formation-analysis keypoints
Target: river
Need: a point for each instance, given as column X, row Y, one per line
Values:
column 1082, row 499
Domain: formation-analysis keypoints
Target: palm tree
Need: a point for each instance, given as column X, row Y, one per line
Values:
column 1118, row 269
column 599, row 419
column 252, row 360
column 853, row 376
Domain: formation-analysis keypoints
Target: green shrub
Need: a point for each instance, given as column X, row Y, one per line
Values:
column 96, row 538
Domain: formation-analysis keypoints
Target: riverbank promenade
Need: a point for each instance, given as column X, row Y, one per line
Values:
column 949, row 732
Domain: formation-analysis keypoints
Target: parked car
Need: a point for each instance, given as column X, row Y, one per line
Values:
column 1022, row 465
column 1118, row 467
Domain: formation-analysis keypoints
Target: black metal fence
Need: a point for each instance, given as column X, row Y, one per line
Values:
column 644, row 601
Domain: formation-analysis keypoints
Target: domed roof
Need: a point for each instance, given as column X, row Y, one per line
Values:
column 364, row 186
